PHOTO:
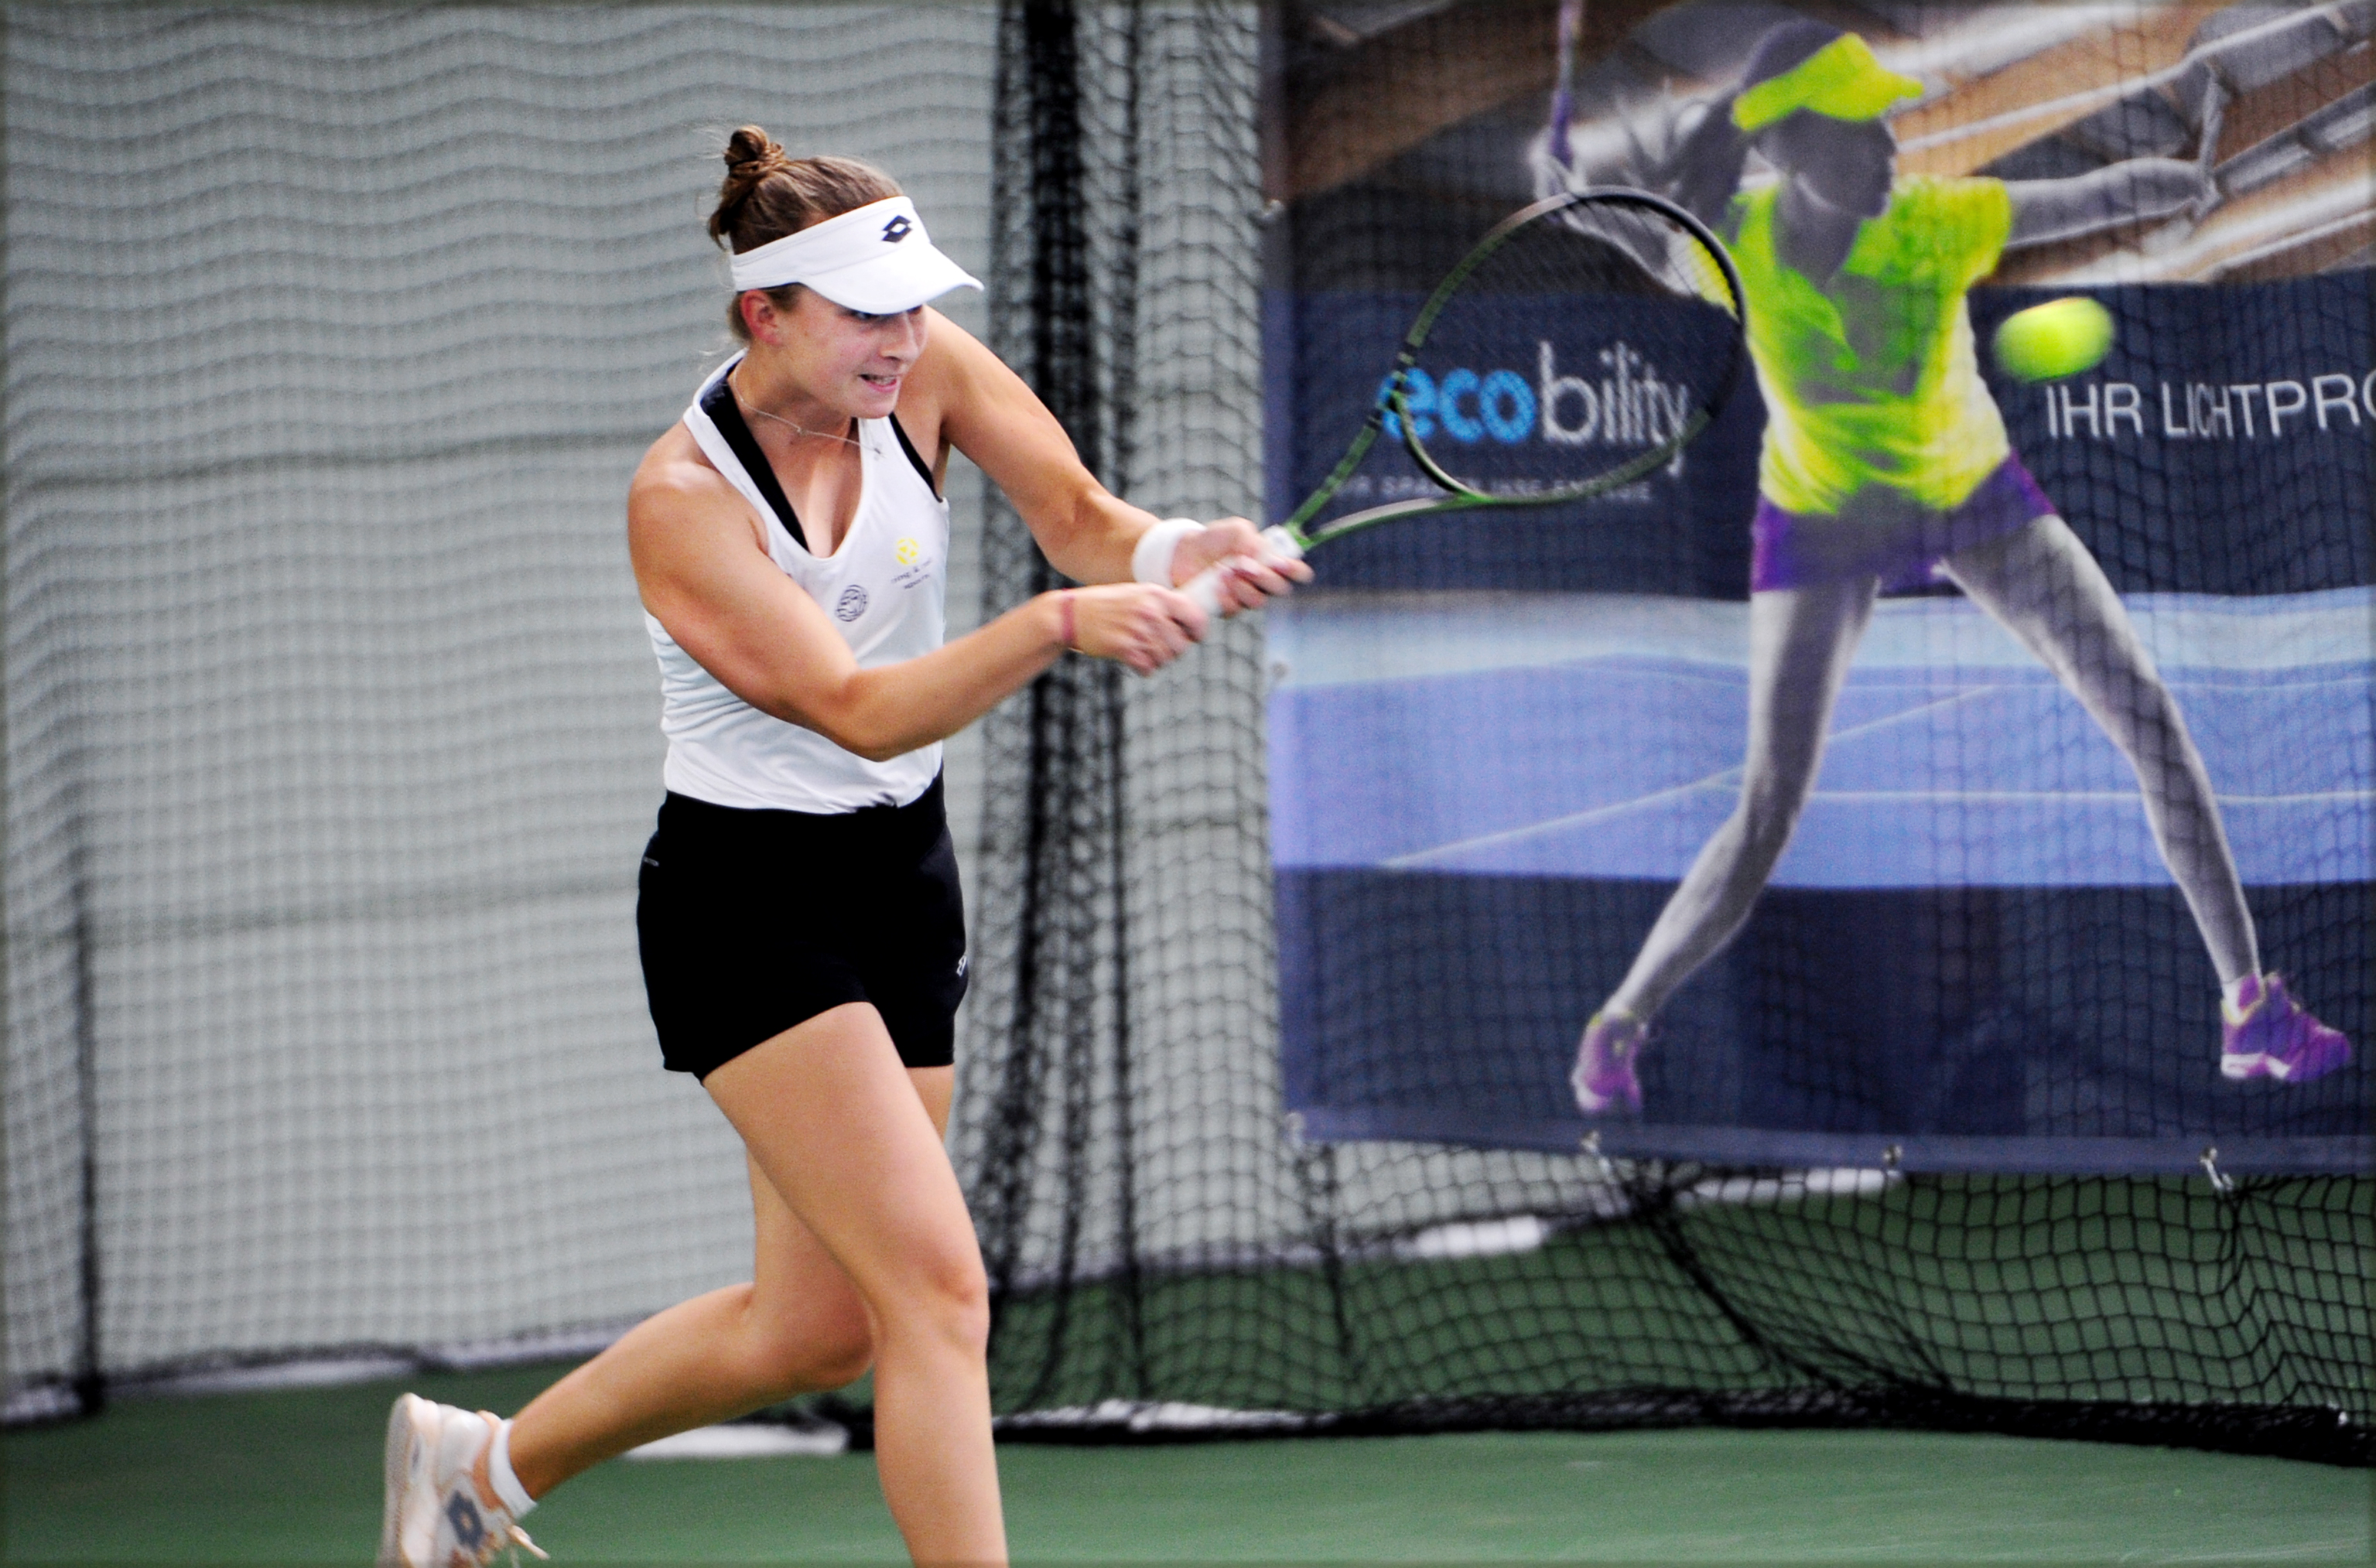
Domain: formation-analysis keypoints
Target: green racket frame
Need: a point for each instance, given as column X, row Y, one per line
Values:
column 1462, row 498
column 1295, row 538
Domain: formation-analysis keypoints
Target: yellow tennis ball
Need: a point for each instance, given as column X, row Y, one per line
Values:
column 2059, row 338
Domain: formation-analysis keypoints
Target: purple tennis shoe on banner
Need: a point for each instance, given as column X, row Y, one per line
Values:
column 1604, row 1079
column 2264, row 1034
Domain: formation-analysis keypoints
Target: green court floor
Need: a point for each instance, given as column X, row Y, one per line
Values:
column 292, row 1477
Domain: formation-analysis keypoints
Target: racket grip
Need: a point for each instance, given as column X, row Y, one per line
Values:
column 1205, row 588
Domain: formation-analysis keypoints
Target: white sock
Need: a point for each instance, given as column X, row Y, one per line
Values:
column 499, row 1470
column 2234, row 992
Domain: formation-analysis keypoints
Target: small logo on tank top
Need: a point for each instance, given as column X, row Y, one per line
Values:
column 851, row 604
column 898, row 230
column 915, row 566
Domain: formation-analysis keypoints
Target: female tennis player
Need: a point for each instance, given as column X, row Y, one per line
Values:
column 803, row 944
column 1885, row 465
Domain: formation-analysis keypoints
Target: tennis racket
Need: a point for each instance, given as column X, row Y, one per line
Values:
column 1579, row 346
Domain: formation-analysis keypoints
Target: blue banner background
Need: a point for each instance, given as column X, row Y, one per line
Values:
column 1496, row 742
column 2241, row 513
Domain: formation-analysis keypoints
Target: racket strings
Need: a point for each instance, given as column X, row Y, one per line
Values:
column 1582, row 350
column 1671, row 260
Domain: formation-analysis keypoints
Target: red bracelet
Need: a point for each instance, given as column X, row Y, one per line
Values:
column 1065, row 603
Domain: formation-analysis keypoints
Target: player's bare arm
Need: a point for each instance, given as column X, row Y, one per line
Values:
column 2137, row 190
column 965, row 396
column 704, row 573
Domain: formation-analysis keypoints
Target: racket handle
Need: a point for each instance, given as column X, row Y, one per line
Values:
column 1204, row 588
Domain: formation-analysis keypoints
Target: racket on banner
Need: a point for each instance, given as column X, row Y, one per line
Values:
column 1579, row 346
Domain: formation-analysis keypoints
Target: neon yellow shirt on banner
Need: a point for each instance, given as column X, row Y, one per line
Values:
column 1875, row 380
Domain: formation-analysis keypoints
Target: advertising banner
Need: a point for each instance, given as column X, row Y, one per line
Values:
column 1932, row 764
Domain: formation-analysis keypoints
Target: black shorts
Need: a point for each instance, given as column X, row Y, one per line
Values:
column 751, row 922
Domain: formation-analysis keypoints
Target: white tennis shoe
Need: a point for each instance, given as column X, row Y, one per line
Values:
column 442, row 1509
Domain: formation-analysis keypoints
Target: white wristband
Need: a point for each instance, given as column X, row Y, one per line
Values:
column 1150, row 562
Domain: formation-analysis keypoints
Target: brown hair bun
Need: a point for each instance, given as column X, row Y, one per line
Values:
column 768, row 194
column 751, row 157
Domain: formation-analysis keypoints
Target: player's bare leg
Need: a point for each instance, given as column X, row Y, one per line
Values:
column 836, row 1127
column 796, row 1326
column 1801, row 641
column 2044, row 587
column 865, row 1253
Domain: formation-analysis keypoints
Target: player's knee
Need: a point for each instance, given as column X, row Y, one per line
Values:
column 947, row 1296
column 961, row 1304
column 797, row 1347
column 2165, row 718
column 1766, row 816
column 835, row 1361
column 807, row 1357
column 2144, row 719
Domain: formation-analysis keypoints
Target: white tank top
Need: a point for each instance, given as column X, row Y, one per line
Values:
column 882, row 590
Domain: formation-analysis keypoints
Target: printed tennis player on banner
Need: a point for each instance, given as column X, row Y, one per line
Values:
column 1800, row 775
column 1885, row 466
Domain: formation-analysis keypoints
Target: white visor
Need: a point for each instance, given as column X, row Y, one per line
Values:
column 874, row 258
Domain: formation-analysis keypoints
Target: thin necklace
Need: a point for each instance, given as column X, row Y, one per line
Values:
column 751, row 407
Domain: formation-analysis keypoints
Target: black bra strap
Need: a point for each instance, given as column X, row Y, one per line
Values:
column 910, row 447
column 726, row 415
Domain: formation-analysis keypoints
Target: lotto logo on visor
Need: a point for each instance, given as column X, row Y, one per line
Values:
column 877, row 259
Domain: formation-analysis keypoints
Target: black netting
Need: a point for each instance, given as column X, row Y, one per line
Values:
column 329, row 748
column 1172, row 1260
column 334, row 333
